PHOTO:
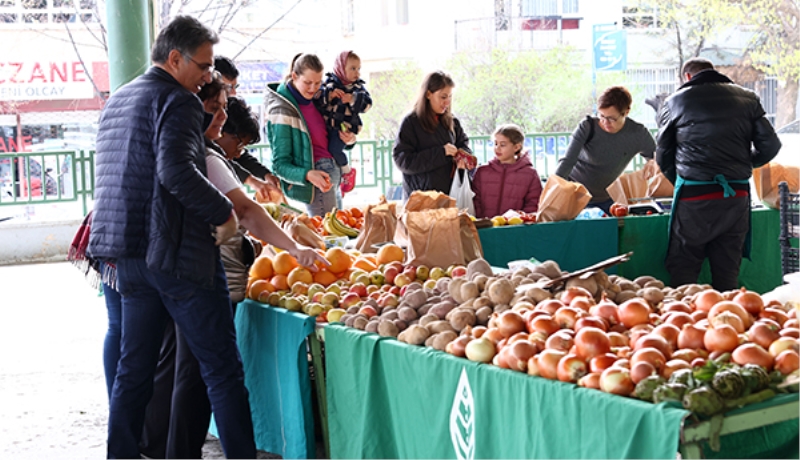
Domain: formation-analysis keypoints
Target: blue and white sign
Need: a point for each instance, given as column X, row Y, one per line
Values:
column 610, row 47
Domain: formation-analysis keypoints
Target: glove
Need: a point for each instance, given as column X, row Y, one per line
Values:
column 226, row 230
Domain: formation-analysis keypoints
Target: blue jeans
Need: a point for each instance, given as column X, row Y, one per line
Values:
column 204, row 316
column 324, row 202
column 113, row 335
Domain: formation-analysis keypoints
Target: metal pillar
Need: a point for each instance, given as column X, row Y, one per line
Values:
column 129, row 25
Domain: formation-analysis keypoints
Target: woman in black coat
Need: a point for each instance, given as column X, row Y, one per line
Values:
column 429, row 138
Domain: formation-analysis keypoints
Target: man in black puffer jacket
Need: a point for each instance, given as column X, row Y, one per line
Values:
column 154, row 217
column 713, row 133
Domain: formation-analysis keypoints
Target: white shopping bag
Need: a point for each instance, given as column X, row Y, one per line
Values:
column 461, row 191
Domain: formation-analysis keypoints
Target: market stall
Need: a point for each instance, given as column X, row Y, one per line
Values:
column 646, row 236
column 387, row 399
column 573, row 244
column 272, row 343
column 579, row 243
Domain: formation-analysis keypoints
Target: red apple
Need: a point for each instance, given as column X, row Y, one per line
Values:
column 388, row 299
column 401, row 280
column 368, row 310
column 459, row 271
column 349, row 299
column 359, row 288
column 411, row 272
column 390, row 272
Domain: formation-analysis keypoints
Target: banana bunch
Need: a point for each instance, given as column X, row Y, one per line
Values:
column 336, row 227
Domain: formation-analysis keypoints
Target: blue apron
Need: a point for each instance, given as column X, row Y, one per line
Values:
column 729, row 192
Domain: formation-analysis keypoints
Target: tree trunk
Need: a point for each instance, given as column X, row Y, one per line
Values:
column 787, row 102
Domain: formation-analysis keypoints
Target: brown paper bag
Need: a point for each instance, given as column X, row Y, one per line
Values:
column 420, row 201
column 767, row 178
column 628, row 186
column 658, row 186
column 380, row 224
column 561, row 200
column 431, row 238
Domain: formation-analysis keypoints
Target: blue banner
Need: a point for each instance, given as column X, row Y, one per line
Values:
column 254, row 76
column 610, row 47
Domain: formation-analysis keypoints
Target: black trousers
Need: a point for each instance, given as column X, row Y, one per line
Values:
column 179, row 413
column 713, row 229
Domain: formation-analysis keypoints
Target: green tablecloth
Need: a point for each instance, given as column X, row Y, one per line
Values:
column 573, row 244
column 387, row 399
column 272, row 343
column 647, row 236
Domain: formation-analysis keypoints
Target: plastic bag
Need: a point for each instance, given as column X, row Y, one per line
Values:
column 462, row 192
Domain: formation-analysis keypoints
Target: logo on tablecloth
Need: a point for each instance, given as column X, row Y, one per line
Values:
column 462, row 420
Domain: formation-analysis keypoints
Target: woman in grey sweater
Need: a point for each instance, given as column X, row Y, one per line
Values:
column 602, row 146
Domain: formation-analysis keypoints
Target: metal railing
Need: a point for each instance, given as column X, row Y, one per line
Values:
column 30, row 178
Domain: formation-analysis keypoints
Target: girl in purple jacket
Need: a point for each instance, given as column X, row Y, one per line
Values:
column 509, row 180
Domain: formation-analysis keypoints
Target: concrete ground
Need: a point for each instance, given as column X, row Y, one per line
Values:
column 52, row 390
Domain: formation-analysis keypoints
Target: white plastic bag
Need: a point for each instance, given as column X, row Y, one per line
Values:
column 461, row 191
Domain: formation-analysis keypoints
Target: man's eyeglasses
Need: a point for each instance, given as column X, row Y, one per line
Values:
column 229, row 87
column 609, row 119
column 206, row 68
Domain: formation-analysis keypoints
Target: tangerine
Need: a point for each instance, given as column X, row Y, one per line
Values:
column 258, row 287
column 280, row 282
column 283, row 263
column 389, row 253
column 324, row 277
column 365, row 264
column 339, row 260
column 299, row 275
column 262, row 268
column 356, row 212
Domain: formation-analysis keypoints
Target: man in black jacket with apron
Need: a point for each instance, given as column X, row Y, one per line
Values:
column 713, row 133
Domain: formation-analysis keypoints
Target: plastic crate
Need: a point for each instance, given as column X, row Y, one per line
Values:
column 790, row 229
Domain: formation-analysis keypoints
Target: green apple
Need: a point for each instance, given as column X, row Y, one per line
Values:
column 436, row 273
column 376, row 278
column 314, row 288
column 293, row 304
column 335, row 314
column 330, row 298
column 335, row 288
column 357, row 273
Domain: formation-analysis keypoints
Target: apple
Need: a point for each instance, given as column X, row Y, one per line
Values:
column 350, row 299
column 335, row 314
column 314, row 288
column 390, row 273
column 395, row 264
column 299, row 288
column 395, row 290
column 459, row 270
column 335, row 288
column 293, row 304
column 282, row 301
column 423, row 272
column 401, row 280
column 429, row 283
column 355, row 274
column 273, row 298
column 317, row 297
column 363, row 279
column 314, row 309
column 373, row 288
column 359, row 288
column 330, row 298
column 374, row 295
column 436, row 273
column 388, row 300
column 376, row 278
column 411, row 272
column 368, row 310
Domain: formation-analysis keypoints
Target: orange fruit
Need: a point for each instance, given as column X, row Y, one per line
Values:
column 259, row 287
column 339, row 259
column 356, row 212
column 364, row 264
column 262, row 268
column 324, row 277
column 299, row 275
column 283, row 263
column 280, row 282
column 389, row 253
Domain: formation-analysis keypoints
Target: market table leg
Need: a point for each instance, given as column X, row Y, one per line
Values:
column 319, row 372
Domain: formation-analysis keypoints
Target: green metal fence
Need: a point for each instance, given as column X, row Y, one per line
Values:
column 68, row 176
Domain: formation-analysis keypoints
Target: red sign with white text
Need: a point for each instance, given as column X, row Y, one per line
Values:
column 45, row 80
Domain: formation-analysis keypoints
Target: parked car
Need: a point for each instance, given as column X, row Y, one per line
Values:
column 789, row 135
column 13, row 182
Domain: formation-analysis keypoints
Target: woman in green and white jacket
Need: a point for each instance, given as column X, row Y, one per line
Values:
column 299, row 138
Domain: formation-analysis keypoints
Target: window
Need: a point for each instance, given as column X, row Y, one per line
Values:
column 46, row 12
column 538, row 8
column 640, row 17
